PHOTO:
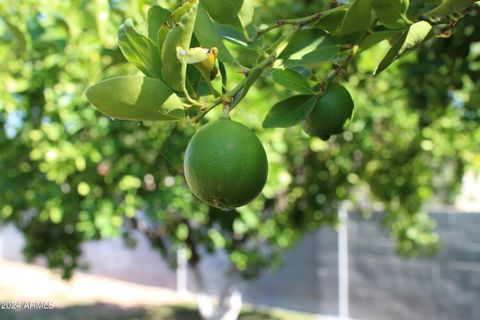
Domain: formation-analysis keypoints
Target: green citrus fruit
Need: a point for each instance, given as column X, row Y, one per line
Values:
column 225, row 164
column 331, row 114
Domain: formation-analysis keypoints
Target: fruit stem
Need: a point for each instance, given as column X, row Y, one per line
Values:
column 226, row 111
column 340, row 69
column 228, row 97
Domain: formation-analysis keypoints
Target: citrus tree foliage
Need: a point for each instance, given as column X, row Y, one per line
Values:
column 70, row 174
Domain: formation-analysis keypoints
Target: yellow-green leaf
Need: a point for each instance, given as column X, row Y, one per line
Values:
column 416, row 34
column 173, row 70
column 139, row 50
column 135, row 98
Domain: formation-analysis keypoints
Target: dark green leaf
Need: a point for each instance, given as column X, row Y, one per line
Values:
column 252, row 77
column 376, row 38
column 208, row 36
column 223, row 74
column 20, row 42
column 139, row 50
column 292, row 80
column 193, row 80
column 416, row 34
column 449, row 7
column 231, row 34
column 391, row 13
column 331, row 22
column 290, row 111
column 392, row 54
column 358, row 17
column 135, row 98
column 155, row 19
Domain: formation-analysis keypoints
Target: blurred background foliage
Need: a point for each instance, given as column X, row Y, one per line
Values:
column 70, row 174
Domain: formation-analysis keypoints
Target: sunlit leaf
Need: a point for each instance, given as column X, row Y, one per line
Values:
column 321, row 55
column 135, row 98
column 139, row 50
column 377, row 37
column 173, row 70
column 405, row 42
column 156, row 17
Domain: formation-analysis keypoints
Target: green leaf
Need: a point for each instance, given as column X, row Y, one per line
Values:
column 291, row 80
column 19, row 40
column 208, row 37
column 139, row 50
column 135, row 98
column 392, row 54
column 391, row 13
column 290, row 111
column 358, row 17
column 377, row 37
column 174, row 71
column 178, row 13
column 304, row 41
column 223, row 74
column 315, row 57
column 232, row 35
column 161, row 36
column 252, row 77
column 156, row 17
column 308, row 47
column 331, row 22
column 450, row 6
column 416, row 34
column 237, row 13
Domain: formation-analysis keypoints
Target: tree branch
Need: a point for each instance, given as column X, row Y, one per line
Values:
column 296, row 21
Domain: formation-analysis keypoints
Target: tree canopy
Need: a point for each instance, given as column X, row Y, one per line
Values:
column 71, row 174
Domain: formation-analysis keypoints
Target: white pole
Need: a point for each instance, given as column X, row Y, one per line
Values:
column 1, row 241
column 343, row 262
column 181, row 272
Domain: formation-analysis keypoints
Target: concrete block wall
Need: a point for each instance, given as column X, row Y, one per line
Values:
column 385, row 286
column 382, row 286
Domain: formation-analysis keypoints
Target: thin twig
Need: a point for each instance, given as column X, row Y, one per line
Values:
column 296, row 21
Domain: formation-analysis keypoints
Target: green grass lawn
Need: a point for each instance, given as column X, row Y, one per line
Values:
column 113, row 312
